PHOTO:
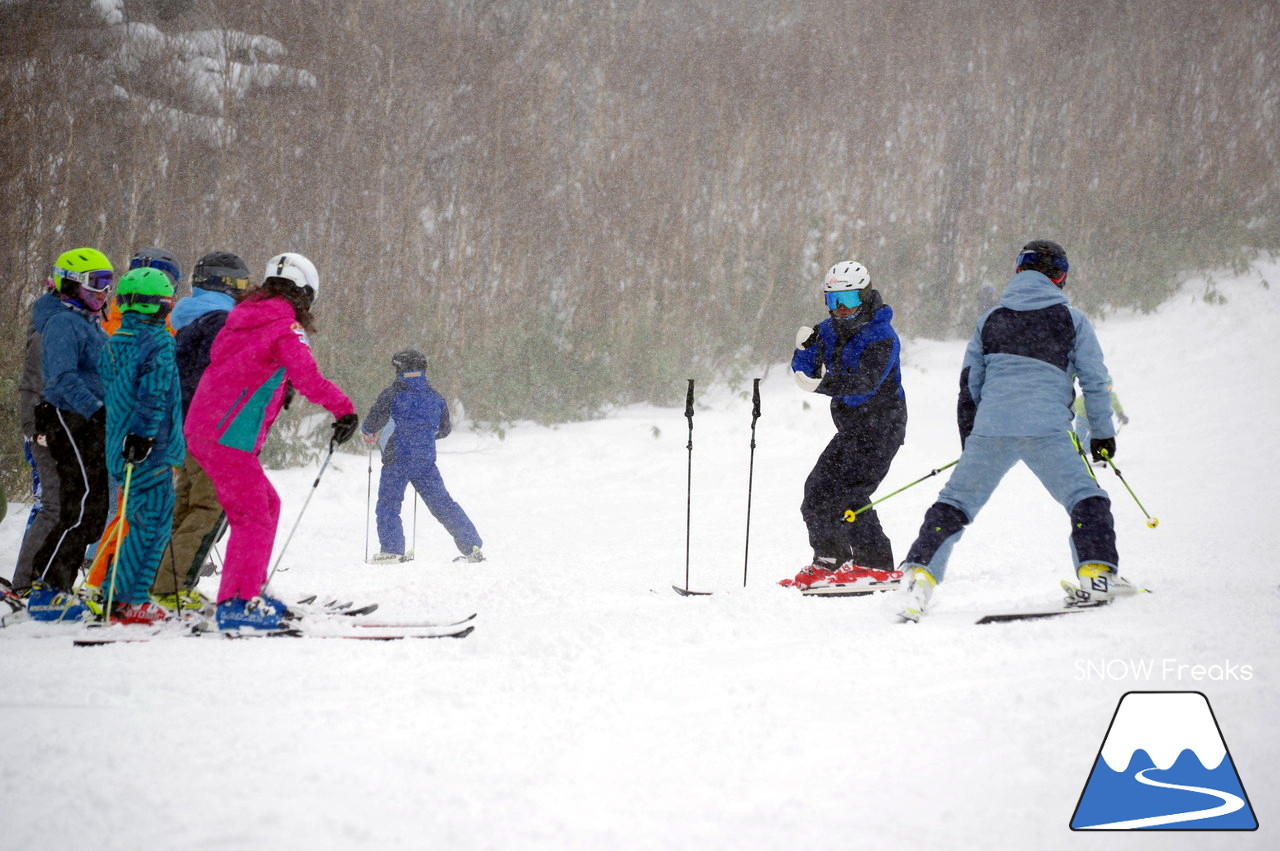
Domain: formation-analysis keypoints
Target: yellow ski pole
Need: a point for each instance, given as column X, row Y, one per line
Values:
column 120, row 523
column 850, row 515
column 1152, row 522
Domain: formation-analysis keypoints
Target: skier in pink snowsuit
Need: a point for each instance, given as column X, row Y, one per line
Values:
column 262, row 347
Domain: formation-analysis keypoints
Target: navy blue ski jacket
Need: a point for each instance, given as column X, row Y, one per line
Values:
column 417, row 414
column 859, row 362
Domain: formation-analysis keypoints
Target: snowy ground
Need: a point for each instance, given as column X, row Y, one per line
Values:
column 593, row 708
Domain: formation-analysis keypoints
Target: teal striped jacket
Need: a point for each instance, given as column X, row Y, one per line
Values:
column 143, row 394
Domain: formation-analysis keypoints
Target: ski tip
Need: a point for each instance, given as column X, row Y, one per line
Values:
column 685, row 592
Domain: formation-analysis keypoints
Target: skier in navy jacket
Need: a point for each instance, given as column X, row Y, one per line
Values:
column 412, row 417
column 853, row 357
column 1016, row 393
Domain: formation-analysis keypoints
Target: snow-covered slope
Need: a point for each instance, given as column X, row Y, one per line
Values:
column 593, row 708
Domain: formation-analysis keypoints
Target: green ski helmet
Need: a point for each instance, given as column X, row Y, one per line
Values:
column 82, row 266
column 145, row 290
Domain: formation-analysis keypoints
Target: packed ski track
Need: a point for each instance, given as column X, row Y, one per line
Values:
column 594, row 708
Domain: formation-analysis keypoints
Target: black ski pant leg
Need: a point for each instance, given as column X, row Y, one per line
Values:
column 847, row 473
column 78, row 449
column 46, row 519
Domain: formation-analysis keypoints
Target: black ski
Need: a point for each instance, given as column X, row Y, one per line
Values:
column 370, row 633
column 685, row 592
column 1035, row 614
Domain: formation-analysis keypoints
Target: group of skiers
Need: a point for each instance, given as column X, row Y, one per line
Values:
column 162, row 409
column 1017, row 389
column 110, row 396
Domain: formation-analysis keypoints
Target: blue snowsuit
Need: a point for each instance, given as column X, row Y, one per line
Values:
column 1016, row 393
column 143, row 398
column 859, row 361
column 417, row 416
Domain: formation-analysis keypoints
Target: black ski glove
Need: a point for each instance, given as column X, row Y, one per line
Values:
column 137, row 448
column 1097, row 447
column 344, row 427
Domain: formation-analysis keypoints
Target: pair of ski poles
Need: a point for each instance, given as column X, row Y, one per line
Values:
column 751, row 467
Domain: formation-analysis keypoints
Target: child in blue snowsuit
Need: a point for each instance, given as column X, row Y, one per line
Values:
column 144, row 437
column 415, row 416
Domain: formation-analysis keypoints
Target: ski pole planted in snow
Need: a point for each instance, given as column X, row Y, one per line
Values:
column 120, row 519
column 1152, row 522
column 751, row 469
column 688, row 503
column 332, row 445
column 368, row 502
column 850, row 515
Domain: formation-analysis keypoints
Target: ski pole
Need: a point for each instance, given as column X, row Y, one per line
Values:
column 751, row 469
column 368, row 500
column 850, row 515
column 332, row 445
column 1152, row 522
column 688, row 504
column 120, row 523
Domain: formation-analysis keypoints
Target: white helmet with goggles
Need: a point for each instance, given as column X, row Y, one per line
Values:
column 844, row 281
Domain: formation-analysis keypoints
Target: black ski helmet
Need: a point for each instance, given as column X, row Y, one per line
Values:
column 221, row 272
column 1046, row 257
column 409, row 360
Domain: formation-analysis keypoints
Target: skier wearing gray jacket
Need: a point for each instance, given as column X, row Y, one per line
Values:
column 1016, row 392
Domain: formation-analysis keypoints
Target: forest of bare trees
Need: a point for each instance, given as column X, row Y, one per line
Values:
column 572, row 204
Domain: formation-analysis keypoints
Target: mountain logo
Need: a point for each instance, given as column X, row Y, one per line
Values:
column 1164, row 765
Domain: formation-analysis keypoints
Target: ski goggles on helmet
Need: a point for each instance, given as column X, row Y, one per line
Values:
column 157, row 263
column 1030, row 258
column 844, row 298
column 99, row 280
column 219, row 283
column 164, row 302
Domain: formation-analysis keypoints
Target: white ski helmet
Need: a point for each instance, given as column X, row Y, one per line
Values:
column 296, row 268
column 847, row 275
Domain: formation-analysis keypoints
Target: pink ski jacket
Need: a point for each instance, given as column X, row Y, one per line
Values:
column 241, row 392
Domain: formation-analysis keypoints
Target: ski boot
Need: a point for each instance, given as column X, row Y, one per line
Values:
column 258, row 613
column 48, row 604
column 913, row 598
column 145, row 613
column 1099, row 585
column 817, row 574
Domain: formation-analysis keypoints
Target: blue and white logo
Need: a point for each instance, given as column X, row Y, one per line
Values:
column 1164, row 765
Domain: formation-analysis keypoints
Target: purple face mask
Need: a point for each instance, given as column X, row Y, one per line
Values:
column 93, row 300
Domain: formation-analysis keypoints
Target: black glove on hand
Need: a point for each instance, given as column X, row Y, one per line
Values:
column 99, row 416
column 289, row 393
column 44, row 418
column 137, row 448
column 344, row 427
column 1097, row 447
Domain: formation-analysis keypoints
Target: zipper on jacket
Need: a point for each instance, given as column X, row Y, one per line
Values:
column 231, row 410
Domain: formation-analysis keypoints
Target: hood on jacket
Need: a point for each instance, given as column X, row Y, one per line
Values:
column 199, row 303
column 46, row 307
column 1030, row 290
column 259, row 313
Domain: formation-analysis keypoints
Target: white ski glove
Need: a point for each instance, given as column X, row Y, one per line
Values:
column 806, row 383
